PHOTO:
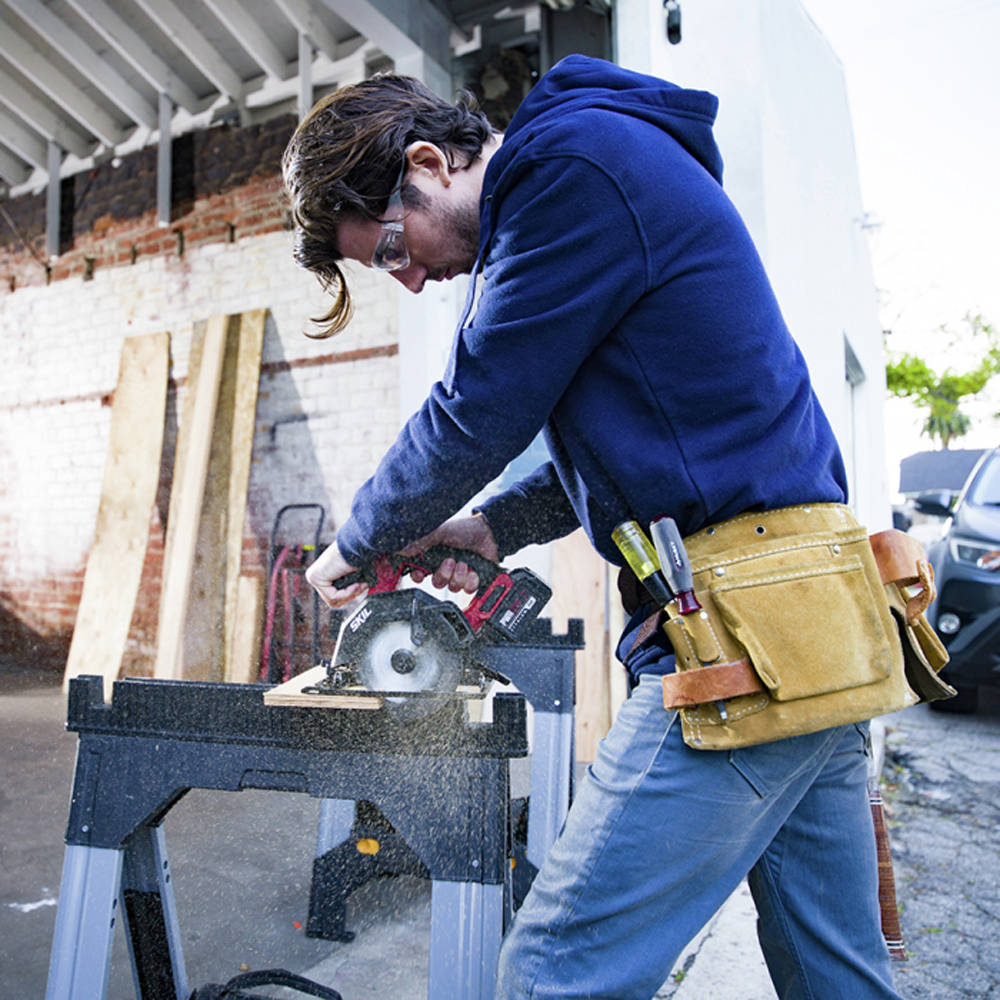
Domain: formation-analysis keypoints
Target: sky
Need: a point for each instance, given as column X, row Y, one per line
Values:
column 923, row 82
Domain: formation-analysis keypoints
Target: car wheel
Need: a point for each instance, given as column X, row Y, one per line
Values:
column 963, row 703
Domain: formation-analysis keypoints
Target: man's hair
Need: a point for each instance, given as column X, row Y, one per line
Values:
column 346, row 157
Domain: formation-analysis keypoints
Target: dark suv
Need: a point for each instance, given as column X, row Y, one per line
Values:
column 966, row 561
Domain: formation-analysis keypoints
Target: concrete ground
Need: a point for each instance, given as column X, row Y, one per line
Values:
column 242, row 863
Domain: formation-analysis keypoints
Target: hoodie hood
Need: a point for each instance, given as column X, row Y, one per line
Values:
column 579, row 82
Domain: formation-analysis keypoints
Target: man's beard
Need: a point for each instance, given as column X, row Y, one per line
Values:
column 461, row 223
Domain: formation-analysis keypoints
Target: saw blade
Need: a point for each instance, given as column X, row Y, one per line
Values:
column 394, row 662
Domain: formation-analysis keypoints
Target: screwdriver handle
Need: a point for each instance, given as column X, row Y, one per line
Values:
column 641, row 556
column 675, row 562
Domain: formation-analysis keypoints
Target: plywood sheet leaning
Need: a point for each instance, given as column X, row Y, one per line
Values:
column 128, row 493
column 187, row 493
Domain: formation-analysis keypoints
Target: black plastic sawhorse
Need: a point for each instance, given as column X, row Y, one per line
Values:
column 138, row 755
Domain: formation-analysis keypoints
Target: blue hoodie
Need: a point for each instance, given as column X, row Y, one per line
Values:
column 625, row 311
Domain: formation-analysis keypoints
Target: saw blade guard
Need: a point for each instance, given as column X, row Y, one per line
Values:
column 405, row 643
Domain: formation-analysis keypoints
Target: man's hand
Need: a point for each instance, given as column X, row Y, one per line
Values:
column 471, row 533
column 330, row 565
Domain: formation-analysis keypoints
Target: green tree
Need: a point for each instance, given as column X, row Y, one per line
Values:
column 910, row 377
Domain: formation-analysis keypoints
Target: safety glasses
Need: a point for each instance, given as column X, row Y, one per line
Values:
column 390, row 250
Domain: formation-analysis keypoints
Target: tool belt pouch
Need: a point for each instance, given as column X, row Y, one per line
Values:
column 795, row 614
column 908, row 580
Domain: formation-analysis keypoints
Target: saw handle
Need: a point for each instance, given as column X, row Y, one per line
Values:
column 384, row 573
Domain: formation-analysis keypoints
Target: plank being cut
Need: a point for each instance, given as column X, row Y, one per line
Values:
column 194, row 441
column 291, row 694
column 128, row 494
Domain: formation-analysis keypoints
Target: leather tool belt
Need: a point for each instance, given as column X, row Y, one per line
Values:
column 806, row 623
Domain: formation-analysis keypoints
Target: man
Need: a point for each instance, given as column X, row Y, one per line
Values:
column 623, row 309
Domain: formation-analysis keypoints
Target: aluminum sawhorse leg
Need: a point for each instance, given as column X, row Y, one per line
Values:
column 99, row 885
column 466, row 930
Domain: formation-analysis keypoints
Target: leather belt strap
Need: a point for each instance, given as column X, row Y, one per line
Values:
column 649, row 626
column 900, row 559
column 713, row 683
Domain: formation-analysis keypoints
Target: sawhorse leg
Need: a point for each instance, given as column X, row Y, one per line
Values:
column 151, row 925
column 336, row 817
column 551, row 778
column 80, row 964
column 97, row 883
column 466, row 930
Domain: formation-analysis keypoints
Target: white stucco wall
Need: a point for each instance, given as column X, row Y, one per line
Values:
column 785, row 132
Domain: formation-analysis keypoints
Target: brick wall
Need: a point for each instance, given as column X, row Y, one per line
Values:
column 326, row 411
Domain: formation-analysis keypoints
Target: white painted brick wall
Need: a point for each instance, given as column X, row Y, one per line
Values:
column 63, row 341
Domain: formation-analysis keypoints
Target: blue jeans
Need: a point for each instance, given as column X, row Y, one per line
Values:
column 658, row 837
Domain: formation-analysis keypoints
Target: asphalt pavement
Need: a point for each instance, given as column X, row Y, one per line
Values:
column 242, row 865
column 941, row 785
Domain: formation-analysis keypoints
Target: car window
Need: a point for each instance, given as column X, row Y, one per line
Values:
column 986, row 490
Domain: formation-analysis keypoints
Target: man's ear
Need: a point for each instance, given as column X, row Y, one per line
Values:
column 428, row 160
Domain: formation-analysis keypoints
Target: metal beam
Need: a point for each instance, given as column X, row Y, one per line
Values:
column 163, row 162
column 305, row 101
column 303, row 16
column 413, row 33
column 351, row 67
column 58, row 34
column 42, row 119
column 52, row 201
column 130, row 45
column 15, row 135
column 236, row 19
column 38, row 68
column 172, row 21
column 12, row 168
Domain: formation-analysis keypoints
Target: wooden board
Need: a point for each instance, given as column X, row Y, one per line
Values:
column 209, row 628
column 291, row 695
column 202, row 656
column 243, row 665
column 187, row 494
column 128, row 493
column 251, row 345
column 583, row 586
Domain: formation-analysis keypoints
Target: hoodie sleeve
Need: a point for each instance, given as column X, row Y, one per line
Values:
column 566, row 261
column 531, row 512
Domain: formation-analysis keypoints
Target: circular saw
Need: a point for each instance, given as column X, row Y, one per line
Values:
column 419, row 652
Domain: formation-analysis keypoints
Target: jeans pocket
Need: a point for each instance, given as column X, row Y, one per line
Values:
column 770, row 767
column 740, row 760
